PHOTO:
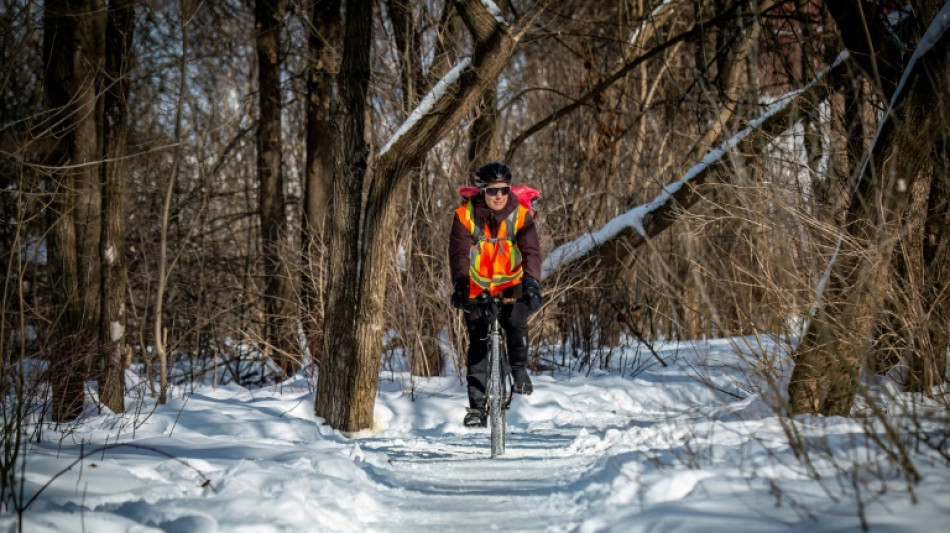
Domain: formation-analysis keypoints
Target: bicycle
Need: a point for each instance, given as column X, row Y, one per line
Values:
column 498, row 397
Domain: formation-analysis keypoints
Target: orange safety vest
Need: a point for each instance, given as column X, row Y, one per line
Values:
column 495, row 261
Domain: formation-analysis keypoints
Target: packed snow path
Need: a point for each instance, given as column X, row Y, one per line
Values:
column 450, row 484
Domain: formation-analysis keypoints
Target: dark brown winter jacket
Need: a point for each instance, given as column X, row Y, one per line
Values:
column 460, row 240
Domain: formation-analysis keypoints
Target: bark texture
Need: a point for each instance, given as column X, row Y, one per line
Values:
column 345, row 391
column 279, row 322
column 119, row 30
column 73, row 53
column 324, row 44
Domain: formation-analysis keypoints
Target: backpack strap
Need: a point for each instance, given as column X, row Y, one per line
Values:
column 511, row 225
column 478, row 233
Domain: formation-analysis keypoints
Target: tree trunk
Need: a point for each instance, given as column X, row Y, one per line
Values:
column 831, row 358
column 927, row 358
column 344, row 400
column 483, row 141
column 159, row 331
column 73, row 52
column 324, row 43
column 279, row 323
column 862, row 26
column 901, row 313
column 119, row 29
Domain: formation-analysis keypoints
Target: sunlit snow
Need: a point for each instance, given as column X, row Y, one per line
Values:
column 637, row 447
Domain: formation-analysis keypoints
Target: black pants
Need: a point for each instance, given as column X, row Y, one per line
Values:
column 514, row 322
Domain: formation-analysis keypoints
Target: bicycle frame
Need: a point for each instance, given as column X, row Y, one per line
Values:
column 498, row 396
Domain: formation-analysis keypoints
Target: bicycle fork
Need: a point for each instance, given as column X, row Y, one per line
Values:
column 499, row 400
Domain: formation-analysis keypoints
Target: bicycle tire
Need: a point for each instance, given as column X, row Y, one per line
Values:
column 496, row 397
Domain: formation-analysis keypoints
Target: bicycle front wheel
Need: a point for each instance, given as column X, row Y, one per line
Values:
column 496, row 398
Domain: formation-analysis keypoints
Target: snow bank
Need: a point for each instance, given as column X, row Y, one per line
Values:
column 693, row 446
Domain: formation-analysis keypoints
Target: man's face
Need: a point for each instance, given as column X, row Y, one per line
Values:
column 496, row 195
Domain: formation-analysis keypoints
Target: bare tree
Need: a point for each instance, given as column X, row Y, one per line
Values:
column 74, row 55
column 928, row 358
column 651, row 89
column 341, row 390
column 165, row 267
column 119, row 31
column 324, row 43
column 279, row 321
column 422, row 327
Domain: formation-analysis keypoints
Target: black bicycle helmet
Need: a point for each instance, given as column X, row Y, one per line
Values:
column 494, row 172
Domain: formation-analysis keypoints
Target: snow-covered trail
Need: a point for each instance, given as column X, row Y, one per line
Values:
column 237, row 460
column 439, row 474
column 606, row 452
column 451, row 484
column 555, row 473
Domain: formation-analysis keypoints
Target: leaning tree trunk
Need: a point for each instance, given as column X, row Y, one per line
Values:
column 279, row 323
column 119, row 29
column 831, row 357
column 324, row 42
column 348, row 379
column 908, row 328
column 73, row 52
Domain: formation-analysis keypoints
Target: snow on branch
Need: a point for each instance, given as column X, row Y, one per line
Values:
column 937, row 28
column 650, row 19
column 494, row 10
column 634, row 218
column 428, row 102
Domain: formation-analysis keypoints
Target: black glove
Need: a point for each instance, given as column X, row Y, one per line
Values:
column 532, row 293
column 460, row 296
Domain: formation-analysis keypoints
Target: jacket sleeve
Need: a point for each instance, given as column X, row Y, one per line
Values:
column 460, row 243
column 530, row 246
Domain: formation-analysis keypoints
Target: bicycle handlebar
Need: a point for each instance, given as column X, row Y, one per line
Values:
column 484, row 299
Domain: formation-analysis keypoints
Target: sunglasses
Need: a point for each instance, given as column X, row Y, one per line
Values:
column 495, row 191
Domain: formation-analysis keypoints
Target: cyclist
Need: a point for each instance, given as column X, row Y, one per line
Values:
column 494, row 248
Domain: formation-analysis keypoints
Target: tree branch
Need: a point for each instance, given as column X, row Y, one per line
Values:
column 634, row 227
column 697, row 29
column 455, row 95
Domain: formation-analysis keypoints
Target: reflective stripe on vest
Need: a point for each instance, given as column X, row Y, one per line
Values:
column 495, row 262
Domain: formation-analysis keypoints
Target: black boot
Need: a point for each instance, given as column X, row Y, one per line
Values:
column 475, row 418
column 522, row 381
